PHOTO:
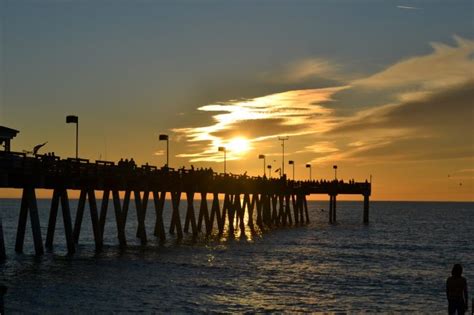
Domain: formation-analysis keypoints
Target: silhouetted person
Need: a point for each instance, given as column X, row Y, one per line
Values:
column 456, row 292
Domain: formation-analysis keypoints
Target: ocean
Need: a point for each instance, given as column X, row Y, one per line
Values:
column 397, row 264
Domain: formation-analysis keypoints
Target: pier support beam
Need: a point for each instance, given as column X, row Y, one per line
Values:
column 366, row 209
column 306, row 208
column 230, row 207
column 141, row 204
column 121, row 212
column 28, row 202
column 190, row 217
column 159, row 200
column 332, row 209
column 295, row 208
column 259, row 203
column 281, row 209
column 267, row 214
column 89, row 193
column 275, row 219
column 287, row 217
column 204, row 215
column 103, row 210
column 215, row 213
column 175, row 218
column 60, row 193
column 249, row 203
column 300, row 208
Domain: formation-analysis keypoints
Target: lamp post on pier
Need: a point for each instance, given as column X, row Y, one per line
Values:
column 269, row 171
column 72, row 119
column 291, row 162
column 223, row 149
column 164, row 137
column 262, row 156
column 309, row 166
column 335, row 171
column 283, row 139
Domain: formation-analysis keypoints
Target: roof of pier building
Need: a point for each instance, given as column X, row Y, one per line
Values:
column 7, row 133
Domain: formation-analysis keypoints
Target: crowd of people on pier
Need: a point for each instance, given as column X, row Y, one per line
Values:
column 51, row 162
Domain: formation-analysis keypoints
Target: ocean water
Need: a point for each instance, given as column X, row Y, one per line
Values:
column 397, row 264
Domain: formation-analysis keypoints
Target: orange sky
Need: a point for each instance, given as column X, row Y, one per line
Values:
column 396, row 107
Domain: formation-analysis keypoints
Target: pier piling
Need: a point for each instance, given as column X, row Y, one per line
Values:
column 366, row 209
column 159, row 201
column 28, row 204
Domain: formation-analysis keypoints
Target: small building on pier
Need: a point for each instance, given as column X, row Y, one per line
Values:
column 6, row 135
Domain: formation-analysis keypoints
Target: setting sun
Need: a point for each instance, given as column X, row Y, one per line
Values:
column 238, row 146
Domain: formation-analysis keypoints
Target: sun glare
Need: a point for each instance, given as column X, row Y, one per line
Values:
column 238, row 145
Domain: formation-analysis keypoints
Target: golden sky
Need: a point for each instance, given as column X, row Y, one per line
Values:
column 389, row 97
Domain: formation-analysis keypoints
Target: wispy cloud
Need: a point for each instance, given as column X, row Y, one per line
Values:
column 288, row 113
column 405, row 7
column 445, row 67
column 304, row 69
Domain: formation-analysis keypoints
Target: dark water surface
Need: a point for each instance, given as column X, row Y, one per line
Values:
column 399, row 263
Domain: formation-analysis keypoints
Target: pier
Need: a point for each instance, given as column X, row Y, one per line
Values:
column 266, row 202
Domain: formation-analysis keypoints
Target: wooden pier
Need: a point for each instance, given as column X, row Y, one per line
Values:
column 265, row 202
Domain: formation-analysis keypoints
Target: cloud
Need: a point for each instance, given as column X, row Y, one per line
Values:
column 446, row 66
column 259, row 129
column 438, row 126
column 304, row 70
column 405, row 7
column 320, row 148
column 288, row 113
column 449, row 110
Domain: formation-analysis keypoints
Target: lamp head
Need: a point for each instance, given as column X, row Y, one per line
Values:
column 221, row 149
column 308, row 165
column 163, row 137
column 261, row 156
column 72, row 119
column 291, row 162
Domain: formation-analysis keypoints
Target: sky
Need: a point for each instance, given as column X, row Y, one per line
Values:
column 382, row 89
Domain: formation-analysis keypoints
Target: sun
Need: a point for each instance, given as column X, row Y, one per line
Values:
column 238, row 146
